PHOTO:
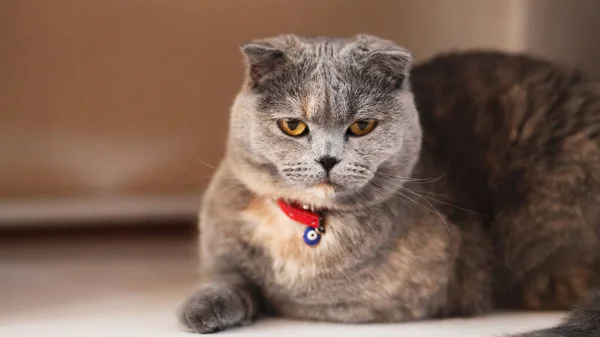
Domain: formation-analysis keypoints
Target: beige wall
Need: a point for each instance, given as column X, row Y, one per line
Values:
column 567, row 31
column 100, row 99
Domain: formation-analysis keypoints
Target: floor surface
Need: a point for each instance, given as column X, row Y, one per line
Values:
column 130, row 283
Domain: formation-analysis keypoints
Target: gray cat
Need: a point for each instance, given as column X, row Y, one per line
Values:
column 355, row 189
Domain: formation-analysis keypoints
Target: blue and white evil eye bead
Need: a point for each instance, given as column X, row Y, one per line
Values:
column 311, row 237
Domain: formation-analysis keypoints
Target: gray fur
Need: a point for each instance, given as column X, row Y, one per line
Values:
column 417, row 227
column 329, row 78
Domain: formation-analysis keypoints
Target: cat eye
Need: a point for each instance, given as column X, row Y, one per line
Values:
column 362, row 127
column 292, row 127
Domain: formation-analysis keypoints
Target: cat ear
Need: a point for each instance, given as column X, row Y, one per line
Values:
column 385, row 58
column 262, row 60
column 391, row 61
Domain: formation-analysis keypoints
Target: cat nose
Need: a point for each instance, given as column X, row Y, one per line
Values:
column 328, row 162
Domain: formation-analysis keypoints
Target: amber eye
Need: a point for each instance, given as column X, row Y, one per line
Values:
column 361, row 128
column 292, row 127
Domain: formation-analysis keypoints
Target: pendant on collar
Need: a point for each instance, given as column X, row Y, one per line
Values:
column 314, row 221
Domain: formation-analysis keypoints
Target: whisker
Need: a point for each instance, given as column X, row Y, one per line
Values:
column 412, row 180
column 416, row 203
column 438, row 213
column 443, row 202
column 409, row 199
column 402, row 186
column 206, row 164
column 455, row 206
column 430, row 193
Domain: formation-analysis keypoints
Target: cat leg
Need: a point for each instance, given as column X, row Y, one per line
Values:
column 546, row 235
column 221, row 302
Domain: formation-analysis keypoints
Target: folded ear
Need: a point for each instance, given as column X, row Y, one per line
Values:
column 391, row 61
column 385, row 58
column 263, row 60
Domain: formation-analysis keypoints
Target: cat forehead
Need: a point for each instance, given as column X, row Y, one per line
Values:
column 325, row 78
column 325, row 92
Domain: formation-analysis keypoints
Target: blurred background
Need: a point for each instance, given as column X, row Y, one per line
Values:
column 113, row 115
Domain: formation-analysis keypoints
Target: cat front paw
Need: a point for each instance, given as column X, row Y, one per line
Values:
column 214, row 308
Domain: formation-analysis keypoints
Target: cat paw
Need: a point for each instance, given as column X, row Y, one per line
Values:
column 558, row 291
column 214, row 308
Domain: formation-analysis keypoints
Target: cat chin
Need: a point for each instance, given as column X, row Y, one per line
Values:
column 322, row 191
column 322, row 195
column 318, row 196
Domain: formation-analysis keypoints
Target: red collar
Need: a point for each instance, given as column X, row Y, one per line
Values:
column 301, row 215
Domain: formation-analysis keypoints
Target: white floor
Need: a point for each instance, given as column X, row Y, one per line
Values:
column 115, row 286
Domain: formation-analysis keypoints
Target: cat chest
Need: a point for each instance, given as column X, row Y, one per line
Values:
column 283, row 240
column 415, row 263
column 320, row 272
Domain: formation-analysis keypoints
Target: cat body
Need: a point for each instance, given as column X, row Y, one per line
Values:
column 361, row 271
column 476, row 187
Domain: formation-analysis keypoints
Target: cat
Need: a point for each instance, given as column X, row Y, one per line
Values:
column 357, row 188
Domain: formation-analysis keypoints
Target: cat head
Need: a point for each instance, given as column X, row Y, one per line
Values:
column 325, row 121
